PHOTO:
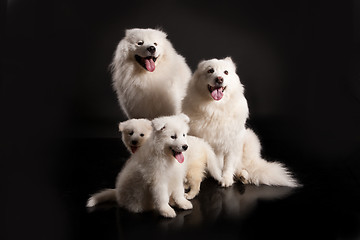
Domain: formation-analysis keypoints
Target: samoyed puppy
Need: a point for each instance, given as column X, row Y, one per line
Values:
column 149, row 76
column 217, row 108
column 135, row 132
column 154, row 173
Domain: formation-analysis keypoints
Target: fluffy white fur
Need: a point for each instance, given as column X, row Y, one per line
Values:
column 218, row 110
column 135, row 132
column 198, row 154
column 154, row 174
column 146, row 88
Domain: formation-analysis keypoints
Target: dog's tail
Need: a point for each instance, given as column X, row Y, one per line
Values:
column 106, row 195
column 259, row 170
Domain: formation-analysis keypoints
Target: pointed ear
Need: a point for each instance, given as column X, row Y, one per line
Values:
column 184, row 117
column 158, row 124
column 148, row 124
column 229, row 59
column 121, row 126
column 200, row 64
column 161, row 31
column 130, row 31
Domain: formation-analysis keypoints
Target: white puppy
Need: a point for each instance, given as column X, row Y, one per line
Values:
column 154, row 174
column 149, row 76
column 135, row 132
column 218, row 111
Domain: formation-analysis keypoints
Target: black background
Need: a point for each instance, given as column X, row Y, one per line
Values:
column 299, row 62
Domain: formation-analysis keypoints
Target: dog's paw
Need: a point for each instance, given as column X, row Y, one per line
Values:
column 91, row 202
column 244, row 176
column 191, row 194
column 185, row 204
column 227, row 181
column 167, row 212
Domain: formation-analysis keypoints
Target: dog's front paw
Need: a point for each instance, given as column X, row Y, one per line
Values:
column 227, row 181
column 185, row 204
column 167, row 212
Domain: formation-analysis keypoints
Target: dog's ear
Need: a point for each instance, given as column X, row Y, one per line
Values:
column 158, row 124
column 128, row 32
column 161, row 31
column 122, row 125
column 148, row 124
column 229, row 59
column 184, row 117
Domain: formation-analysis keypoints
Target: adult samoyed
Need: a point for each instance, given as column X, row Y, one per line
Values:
column 217, row 108
column 149, row 76
column 153, row 176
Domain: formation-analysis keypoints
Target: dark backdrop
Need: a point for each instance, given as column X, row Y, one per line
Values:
column 299, row 62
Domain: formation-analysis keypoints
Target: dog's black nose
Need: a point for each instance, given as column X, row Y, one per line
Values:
column 151, row 49
column 219, row 80
column 185, row 147
column 134, row 142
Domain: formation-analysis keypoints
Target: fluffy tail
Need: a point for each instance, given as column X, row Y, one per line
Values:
column 260, row 171
column 105, row 195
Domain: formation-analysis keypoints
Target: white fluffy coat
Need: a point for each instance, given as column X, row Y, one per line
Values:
column 218, row 110
column 142, row 93
column 154, row 174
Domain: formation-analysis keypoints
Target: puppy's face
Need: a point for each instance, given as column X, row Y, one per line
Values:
column 146, row 47
column 135, row 133
column 216, row 78
column 170, row 133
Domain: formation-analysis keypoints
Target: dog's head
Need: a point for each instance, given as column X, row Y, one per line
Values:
column 170, row 133
column 216, row 79
column 145, row 47
column 135, row 132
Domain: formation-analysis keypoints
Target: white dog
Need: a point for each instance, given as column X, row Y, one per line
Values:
column 149, row 77
column 154, row 174
column 218, row 111
column 135, row 132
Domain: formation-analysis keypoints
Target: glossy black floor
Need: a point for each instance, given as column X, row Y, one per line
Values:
column 326, row 207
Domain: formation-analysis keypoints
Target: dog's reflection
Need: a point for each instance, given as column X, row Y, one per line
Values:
column 213, row 203
column 236, row 201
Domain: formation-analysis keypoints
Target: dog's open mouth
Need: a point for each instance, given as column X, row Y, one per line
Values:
column 178, row 156
column 134, row 149
column 147, row 62
column 216, row 92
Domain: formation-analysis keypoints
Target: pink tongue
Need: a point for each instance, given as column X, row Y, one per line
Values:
column 217, row 94
column 133, row 149
column 179, row 157
column 149, row 64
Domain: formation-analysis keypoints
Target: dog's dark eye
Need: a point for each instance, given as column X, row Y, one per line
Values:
column 131, row 133
column 173, row 137
column 226, row 72
column 141, row 134
column 211, row 70
column 140, row 43
column 155, row 43
column 184, row 135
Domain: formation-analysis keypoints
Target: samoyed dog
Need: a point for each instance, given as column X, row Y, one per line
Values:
column 149, row 76
column 154, row 173
column 135, row 132
column 217, row 108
